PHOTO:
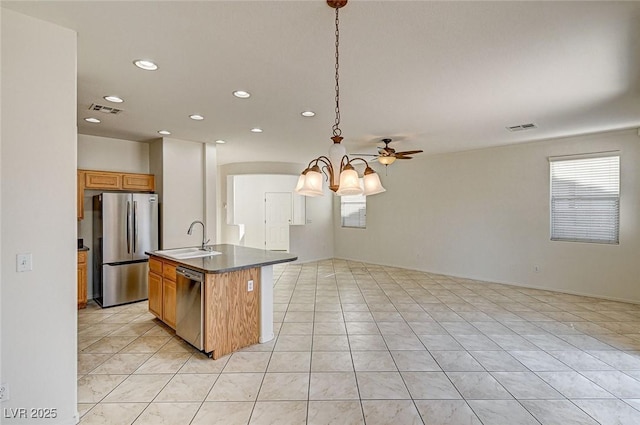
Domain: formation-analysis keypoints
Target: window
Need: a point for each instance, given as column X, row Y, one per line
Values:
column 585, row 198
column 353, row 210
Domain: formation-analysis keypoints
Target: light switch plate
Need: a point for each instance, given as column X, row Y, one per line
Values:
column 24, row 262
column 250, row 285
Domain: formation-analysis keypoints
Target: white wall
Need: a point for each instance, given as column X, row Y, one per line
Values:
column 105, row 154
column 184, row 169
column 485, row 215
column 39, row 346
column 310, row 242
column 246, row 205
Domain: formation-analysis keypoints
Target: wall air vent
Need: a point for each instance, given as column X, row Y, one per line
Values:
column 522, row 127
column 105, row 109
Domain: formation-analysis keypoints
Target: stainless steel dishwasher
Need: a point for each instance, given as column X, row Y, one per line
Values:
column 189, row 306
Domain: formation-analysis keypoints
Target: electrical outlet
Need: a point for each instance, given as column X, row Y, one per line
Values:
column 4, row 392
column 536, row 269
column 250, row 285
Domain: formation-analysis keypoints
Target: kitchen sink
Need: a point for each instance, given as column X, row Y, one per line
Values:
column 186, row 253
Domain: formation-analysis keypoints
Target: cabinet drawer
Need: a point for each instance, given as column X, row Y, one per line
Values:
column 144, row 182
column 95, row 180
column 169, row 270
column 155, row 265
column 82, row 257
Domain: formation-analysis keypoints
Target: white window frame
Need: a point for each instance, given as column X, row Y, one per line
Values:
column 353, row 211
column 584, row 198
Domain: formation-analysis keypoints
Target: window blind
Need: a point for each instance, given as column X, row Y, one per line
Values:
column 353, row 210
column 585, row 199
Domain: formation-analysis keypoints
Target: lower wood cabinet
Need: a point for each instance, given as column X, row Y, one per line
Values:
column 169, row 302
column 231, row 311
column 82, row 279
column 162, row 290
column 155, row 294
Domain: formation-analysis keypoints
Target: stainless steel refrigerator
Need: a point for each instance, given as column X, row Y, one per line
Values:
column 125, row 225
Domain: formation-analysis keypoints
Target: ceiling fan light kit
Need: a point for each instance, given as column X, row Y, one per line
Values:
column 342, row 177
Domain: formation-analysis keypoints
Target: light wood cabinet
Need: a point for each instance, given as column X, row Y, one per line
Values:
column 113, row 181
column 231, row 311
column 155, row 294
column 169, row 302
column 80, row 195
column 162, row 290
column 142, row 182
column 110, row 180
column 82, row 279
column 102, row 180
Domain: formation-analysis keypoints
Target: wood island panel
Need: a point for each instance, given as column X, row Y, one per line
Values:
column 232, row 313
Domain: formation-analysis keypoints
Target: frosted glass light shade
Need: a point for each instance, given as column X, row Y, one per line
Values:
column 312, row 185
column 349, row 183
column 372, row 184
column 300, row 183
column 386, row 160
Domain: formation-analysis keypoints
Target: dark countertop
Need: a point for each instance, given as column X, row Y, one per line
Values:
column 84, row 248
column 233, row 258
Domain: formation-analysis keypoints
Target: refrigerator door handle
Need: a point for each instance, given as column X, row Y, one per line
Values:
column 135, row 225
column 128, row 227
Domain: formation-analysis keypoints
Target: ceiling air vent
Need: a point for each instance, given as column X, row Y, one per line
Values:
column 522, row 127
column 105, row 109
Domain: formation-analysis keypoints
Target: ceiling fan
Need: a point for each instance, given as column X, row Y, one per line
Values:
column 387, row 155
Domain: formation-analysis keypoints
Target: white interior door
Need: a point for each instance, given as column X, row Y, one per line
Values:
column 277, row 220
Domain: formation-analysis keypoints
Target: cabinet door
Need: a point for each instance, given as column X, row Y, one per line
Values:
column 141, row 182
column 102, row 180
column 80, row 195
column 155, row 294
column 169, row 302
column 82, row 279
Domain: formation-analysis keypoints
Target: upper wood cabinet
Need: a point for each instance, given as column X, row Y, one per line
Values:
column 114, row 181
column 102, row 180
column 108, row 180
column 143, row 182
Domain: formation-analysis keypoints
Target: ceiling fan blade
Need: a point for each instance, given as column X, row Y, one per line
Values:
column 409, row 152
column 403, row 157
column 364, row 154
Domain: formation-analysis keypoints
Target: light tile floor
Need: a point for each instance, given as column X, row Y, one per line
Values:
column 360, row 343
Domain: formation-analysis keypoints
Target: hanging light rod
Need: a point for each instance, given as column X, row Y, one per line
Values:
column 337, row 167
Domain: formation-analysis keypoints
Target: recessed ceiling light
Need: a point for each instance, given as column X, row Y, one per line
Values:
column 93, row 120
column 147, row 65
column 114, row 99
column 164, row 132
column 221, row 142
column 242, row 94
column 256, row 130
column 196, row 117
column 307, row 113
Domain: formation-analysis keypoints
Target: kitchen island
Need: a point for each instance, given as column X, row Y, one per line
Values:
column 236, row 294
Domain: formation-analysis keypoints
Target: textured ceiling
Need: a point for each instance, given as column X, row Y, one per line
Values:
column 437, row 76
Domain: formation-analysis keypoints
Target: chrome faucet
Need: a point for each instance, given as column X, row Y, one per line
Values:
column 205, row 241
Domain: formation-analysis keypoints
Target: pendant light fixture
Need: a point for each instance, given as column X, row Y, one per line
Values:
column 337, row 167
